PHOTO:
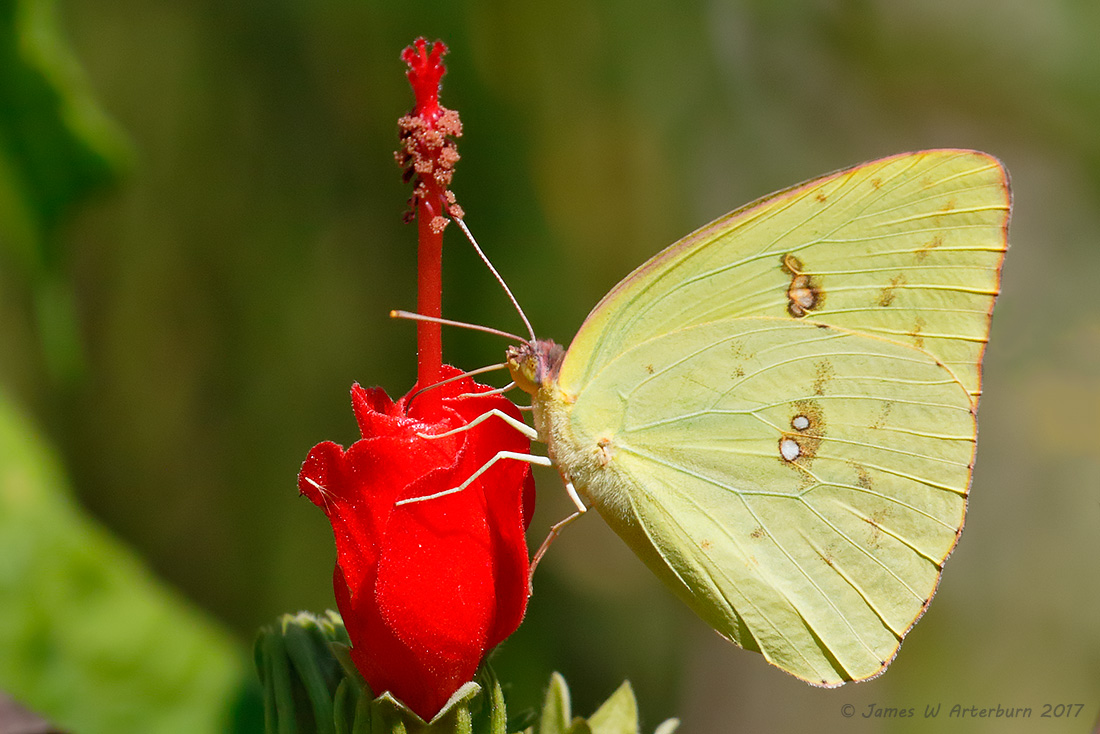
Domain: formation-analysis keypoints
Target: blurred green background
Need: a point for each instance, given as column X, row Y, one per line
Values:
column 183, row 337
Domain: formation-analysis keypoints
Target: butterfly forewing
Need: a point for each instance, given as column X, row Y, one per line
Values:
column 907, row 247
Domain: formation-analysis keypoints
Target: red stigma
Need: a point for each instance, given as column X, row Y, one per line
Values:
column 425, row 72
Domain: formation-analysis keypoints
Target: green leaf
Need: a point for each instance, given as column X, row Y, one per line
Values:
column 56, row 145
column 618, row 714
column 56, row 148
column 88, row 636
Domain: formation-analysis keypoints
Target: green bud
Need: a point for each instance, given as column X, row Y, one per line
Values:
column 311, row 686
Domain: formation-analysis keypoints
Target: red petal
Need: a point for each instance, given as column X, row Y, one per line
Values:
column 374, row 411
column 507, row 486
column 435, row 590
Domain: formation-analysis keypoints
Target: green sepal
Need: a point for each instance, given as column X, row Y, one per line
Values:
column 497, row 715
column 456, row 716
column 556, row 716
column 342, row 652
column 344, row 704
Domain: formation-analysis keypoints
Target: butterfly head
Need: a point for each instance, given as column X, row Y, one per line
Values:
column 535, row 364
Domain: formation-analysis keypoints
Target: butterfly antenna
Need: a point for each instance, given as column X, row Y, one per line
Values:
column 461, row 324
column 500, row 280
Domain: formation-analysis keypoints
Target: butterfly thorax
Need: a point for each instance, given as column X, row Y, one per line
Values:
column 581, row 459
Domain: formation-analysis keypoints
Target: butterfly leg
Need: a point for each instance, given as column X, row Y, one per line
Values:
column 528, row 458
column 555, row 530
column 520, row 426
column 497, row 391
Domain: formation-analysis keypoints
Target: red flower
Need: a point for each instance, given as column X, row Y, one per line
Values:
column 426, row 589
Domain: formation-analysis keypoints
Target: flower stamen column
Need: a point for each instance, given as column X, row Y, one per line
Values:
column 426, row 589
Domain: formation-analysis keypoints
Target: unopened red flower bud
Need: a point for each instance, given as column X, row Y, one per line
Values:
column 426, row 589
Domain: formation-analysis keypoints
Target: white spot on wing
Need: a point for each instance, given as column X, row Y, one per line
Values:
column 800, row 423
column 789, row 449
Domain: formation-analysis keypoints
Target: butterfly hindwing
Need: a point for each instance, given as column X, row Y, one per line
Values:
column 798, row 485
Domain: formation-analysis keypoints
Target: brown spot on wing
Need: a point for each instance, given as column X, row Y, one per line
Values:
column 804, row 293
column 808, row 438
column 812, row 411
column 889, row 293
column 875, row 521
column 863, row 477
column 758, row 533
column 738, row 355
column 915, row 334
column 823, row 375
column 876, row 183
column 923, row 250
column 883, row 415
column 738, row 351
column 791, row 265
